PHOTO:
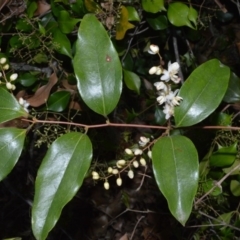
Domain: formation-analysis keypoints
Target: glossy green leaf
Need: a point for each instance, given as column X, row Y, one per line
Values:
column 236, row 165
column 221, row 119
column 59, row 177
column 97, row 67
column 32, row 7
column 235, row 188
column 132, row 14
column 175, row 167
column 62, row 43
column 202, row 93
column 11, row 145
column 159, row 116
column 9, row 107
column 158, row 23
column 58, row 101
column 153, row 6
column 233, row 92
column 66, row 23
column 132, row 81
column 193, row 15
column 23, row 25
column 178, row 14
column 27, row 79
column 224, row 156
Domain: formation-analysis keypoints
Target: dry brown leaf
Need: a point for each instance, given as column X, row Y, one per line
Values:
column 41, row 95
column 124, row 237
column 75, row 105
column 42, row 8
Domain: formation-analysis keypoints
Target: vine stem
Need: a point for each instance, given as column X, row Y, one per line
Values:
column 109, row 124
column 217, row 184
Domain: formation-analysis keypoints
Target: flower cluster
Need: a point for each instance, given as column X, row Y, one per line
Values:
column 166, row 96
column 135, row 158
column 8, row 81
column 24, row 104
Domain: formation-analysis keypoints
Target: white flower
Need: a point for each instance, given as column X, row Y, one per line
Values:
column 161, row 99
column 160, row 86
column 106, row 185
column 171, row 73
column 153, row 49
column 168, row 110
column 143, row 141
column 172, row 99
column 138, row 152
column 13, row 77
column 24, row 103
column 3, row 60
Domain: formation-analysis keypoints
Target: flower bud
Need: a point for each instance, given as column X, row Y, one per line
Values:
column 3, row 60
column 114, row 171
column 119, row 181
column 128, row 151
column 6, row 67
column 135, row 164
column 0, row 74
column 138, row 152
column 153, row 49
column 8, row 85
column 121, row 163
column 131, row 174
column 149, row 154
column 110, row 169
column 142, row 162
column 106, row 185
column 13, row 87
column 21, row 101
column 153, row 70
column 13, row 77
column 95, row 175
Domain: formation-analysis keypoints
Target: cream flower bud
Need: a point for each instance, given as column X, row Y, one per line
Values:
column 153, row 49
column 13, row 87
column 8, row 85
column 138, row 152
column 119, row 181
column 13, row 77
column 135, row 164
column 95, row 175
column 21, row 101
column 0, row 74
column 131, row 174
column 149, row 153
column 128, row 151
column 110, row 170
column 114, row 171
column 3, row 60
column 153, row 70
column 159, row 71
column 6, row 67
column 106, row 185
column 121, row 163
column 142, row 162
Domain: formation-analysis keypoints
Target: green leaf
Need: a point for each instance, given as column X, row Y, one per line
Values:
column 224, row 156
column 58, row 101
column 11, row 145
column 209, row 184
column 40, row 58
column 175, row 167
column 59, row 177
column 230, row 169
column 23, row 25
column 97, row 67
column 178, row 14
column 221, row 119
column 193, row 15
column 233, row 92
column 132, row 81
column 9, row 107
column 158, row 23
column 132, row 14
column 153, row 6
column 32, row 7
column 202, row 92
column 62, row 43
column 235, row 188
column 66, row 23
column 27, row 79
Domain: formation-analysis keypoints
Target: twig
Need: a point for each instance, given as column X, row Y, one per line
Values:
column 136, row 226
column 222, row 7
column 217, row 184
column 177, row 58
